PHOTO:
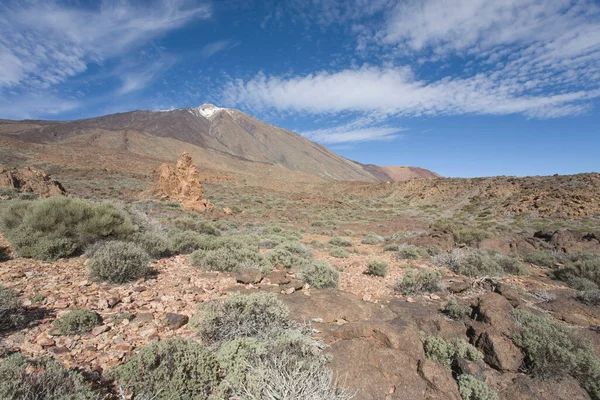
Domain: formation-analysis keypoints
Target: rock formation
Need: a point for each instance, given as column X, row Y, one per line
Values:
column 182, row 183
column 30, row 179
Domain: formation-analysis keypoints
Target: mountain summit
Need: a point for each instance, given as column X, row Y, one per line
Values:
column 222, row 139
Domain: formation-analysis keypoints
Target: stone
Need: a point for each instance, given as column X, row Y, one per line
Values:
column 99, row 330
column 499, row 352
column 459, row 287
column 278, row 277
column 511, row 294
column 44, row 340
column 495, row 310
column 439, row 378
column 176, row 321
column 227, row 211
column 249, row 276
column 30, row 179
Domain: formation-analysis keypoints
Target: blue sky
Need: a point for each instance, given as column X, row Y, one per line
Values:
column 462, row 87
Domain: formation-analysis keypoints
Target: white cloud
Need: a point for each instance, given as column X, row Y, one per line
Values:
column 215, row 47
column 31, row 106
column 137, row 78
column 43, row 43
column 363, row 129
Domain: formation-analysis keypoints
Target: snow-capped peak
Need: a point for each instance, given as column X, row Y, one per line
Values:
column 205, row 110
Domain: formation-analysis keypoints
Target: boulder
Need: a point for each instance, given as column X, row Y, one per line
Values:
column 176, row 321
column 30, row 179
column 495, row 310
column 182, row 183
column 499, row 352
column 249, row 276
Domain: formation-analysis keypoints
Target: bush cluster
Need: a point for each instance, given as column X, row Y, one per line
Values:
column 24, row 379
column 320, row 275
column 59, row 226
column 425, row 281
column 339, row 241
column 471, row 388
column 227, row 254
column 339, row 252
column 457, row 311
column 118, row 262
column 554, row 349
column 372, row 238
column 77, row 321
column 446, row 352
column 411, row 252
column 11, row 310
column 290, row 254
column 195, row 224
column 377, row 268
column 476, row 263
column 156, row 244
column 174, row 368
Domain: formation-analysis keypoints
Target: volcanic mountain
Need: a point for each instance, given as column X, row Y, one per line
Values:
column 219, row 139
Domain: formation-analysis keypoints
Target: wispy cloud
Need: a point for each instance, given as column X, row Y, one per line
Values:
column 213, row 48
column 43, row 43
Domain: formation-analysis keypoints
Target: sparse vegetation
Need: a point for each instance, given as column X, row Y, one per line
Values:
column 425, row 281
column 411, row 252
column 77, row 321
column 320, row 275
column 339, row 252
column 372, row 238
column 391, row 247
column 341, row 242
column 377, row 268
column 58, row 227
column 456, row 311
column 540, row 258
column 24, row 379
column 11, row 310
column 476, row 263
column 171, row 369
column 118, row 262
column 554, row 349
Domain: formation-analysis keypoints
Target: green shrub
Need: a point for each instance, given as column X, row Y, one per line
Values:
column 11, row 310
column 24, row 379
column 118, row 262
column 411, row 252
column 372, row 238
column 476, row 263
column 60, row 226
column 155, row 244
column 471, row 388
column 425, row 282
column 588, row 268
column 226, row 260
column 77, row 321
column 241, row 316
column 185, row 242
column 391, row 247
column 320, row 275
column 377, row 268
column 553, row 349
column 290, row 255
column 339, row 252
column 540, row 258
column 457, row 311
column 469, row 236
column 197, row 225
column 444, row 352
column 174, row 368
column 589, row 297
column 341, row 242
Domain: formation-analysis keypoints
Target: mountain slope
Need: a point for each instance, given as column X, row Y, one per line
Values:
column 225, row 139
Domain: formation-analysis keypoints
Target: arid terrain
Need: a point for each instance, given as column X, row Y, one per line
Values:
column 411, row 286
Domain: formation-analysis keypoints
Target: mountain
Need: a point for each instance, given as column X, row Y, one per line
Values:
column 219, row 139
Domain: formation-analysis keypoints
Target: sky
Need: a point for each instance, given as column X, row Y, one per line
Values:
column 462, row 87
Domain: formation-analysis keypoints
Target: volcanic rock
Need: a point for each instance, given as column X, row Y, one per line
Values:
column 30, row 179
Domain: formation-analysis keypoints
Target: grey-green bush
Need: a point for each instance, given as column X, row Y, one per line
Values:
column 290, row 254
column 77, row 321
column 338, row 241
column 377, row 268
column 24, row 379
column 471, row 388
column 320, row 275
column 119, row 262
column 445, row 352
column 425, row 281
column 11, row 310
column 240, row 316
column 476, row 263
column 227, row 260
column 173, row 368
column 372, row 238
column 197, row 225
column 185, row 242
column 339, row 252
column 155, row 244
column 456, row 311
column 411, row 252
column 60, row 226
column 540, row 258
column 554, row 349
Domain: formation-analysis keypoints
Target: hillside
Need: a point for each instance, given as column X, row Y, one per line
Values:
column 223, row 139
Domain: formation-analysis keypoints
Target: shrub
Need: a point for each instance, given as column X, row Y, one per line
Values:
column 411, row 252
column 119, row 262
column 339, row 252
column 476, row 263
column 553, row 349
column 226, row 260
column 391, row 247
column 241, row 316
column 185, row 242
column 24, row 379
column 290, row 255
column 174, row 368
column 197, row 225
column 372, row 238
column 320, row 275
column 471, row 388
column 540, row 258
column 11, row 310
column 341, row 242
column 456, row 311
column 60, row 226
column 155, row 244
column 377, row 268
column 425, row 282
column 444, row 352
column 469, row 236
column 589, row 297
column 588, row 267
column 77, row 321
column 509, row 265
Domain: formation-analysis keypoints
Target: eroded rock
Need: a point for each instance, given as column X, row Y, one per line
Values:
column 30, row 179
